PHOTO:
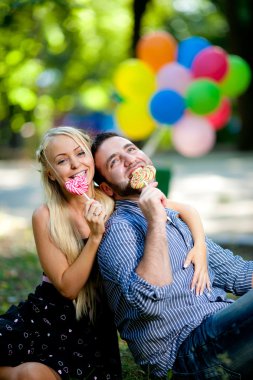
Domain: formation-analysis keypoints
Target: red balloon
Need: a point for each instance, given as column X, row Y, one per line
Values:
column 211, row 62
column 221, row 116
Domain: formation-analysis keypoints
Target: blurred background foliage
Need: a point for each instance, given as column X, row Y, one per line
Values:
column 57, row 59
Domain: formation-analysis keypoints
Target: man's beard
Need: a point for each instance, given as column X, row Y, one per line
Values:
column 124, row 190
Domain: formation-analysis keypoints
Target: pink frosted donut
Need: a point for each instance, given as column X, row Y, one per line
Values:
column 77, row 185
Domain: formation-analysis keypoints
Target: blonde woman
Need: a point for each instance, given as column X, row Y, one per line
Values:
column 64, row 329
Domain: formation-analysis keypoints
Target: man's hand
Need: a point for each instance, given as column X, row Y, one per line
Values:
column 152, row 202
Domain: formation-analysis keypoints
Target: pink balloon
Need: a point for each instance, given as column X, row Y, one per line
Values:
column 211, row 62
column 193, row 136
column 221, row 116
column 174, row 76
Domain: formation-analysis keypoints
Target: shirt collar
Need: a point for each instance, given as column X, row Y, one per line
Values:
column 125, row 202
column 133, row 205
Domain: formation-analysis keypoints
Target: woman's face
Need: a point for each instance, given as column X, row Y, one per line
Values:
column 68, row 159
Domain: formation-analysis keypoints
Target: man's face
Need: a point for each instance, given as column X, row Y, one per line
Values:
column 116, row 159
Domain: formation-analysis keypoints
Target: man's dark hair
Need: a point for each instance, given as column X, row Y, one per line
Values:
column 97, row 142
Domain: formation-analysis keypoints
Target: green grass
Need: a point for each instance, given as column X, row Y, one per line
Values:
column 19, row 275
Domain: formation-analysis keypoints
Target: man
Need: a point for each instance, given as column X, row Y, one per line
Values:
column 164, row 322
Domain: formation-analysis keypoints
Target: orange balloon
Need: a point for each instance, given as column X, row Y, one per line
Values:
column 157, row 49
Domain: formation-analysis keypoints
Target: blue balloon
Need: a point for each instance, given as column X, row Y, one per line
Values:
column 167, row 106
column 189, row 48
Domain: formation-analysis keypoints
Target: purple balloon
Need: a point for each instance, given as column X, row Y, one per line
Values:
column 174, row 76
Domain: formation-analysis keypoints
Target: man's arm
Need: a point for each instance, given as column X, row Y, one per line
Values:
column 155, row 266
column 119, row 255
column 232, row 272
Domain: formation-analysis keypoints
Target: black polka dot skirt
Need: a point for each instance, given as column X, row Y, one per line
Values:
column 44, row 329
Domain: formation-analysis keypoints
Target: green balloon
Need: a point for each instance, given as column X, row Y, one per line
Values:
column 238, row 77
column 203, row 96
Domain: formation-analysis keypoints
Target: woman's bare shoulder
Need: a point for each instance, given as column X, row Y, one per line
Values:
column 41, row 213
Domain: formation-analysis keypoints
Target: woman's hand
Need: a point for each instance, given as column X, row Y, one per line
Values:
column 95, row 217
column 201, row 280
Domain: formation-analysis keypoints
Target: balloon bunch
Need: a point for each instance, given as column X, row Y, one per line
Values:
column 187, row 86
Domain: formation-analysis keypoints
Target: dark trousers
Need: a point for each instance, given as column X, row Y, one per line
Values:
column 221, row 347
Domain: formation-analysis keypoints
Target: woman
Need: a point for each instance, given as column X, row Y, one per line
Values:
column 64, row 330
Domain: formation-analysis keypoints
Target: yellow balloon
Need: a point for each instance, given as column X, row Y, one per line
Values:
column 135, row 79
column 134, row 120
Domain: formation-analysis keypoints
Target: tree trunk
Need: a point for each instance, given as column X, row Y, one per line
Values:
column 139, row 7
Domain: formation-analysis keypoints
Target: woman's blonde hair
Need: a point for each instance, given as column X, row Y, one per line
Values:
column 62, row 232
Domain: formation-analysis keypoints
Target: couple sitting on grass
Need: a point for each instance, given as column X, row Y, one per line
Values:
column 129, row 259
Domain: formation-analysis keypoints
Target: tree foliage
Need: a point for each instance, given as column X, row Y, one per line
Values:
column 55, row 52
column 239, row 15
column 58, row 57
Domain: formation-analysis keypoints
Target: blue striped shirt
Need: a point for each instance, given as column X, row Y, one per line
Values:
column 156, row 320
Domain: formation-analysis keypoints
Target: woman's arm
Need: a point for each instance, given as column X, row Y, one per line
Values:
column 197, row 254
column 68, row 279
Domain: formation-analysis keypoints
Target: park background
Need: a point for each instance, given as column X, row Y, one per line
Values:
column 57, row 63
